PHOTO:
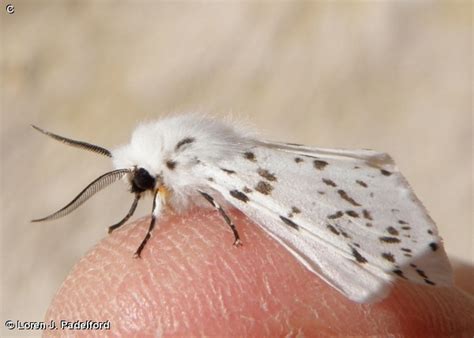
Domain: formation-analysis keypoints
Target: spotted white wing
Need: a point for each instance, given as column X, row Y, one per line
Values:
column 348, row 216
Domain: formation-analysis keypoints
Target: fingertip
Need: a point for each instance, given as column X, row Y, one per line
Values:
column 192, row 279
column 190, row 267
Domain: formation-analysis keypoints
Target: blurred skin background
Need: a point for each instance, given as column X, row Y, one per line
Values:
column 389, row 75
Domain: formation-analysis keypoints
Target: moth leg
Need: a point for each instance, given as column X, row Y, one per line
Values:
column 155, row 211
column 227, row 219
column 127, row 216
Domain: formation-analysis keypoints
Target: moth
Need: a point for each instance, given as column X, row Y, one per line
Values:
column 349, row 216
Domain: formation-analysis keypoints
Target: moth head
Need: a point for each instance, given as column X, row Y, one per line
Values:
column 141, row 180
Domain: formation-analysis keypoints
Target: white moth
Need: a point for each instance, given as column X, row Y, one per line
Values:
column 349, row 216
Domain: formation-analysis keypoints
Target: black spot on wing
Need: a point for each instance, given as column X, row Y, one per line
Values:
column 319, row 164
column 402, row 222
column 295, row 210
column 433, row 246
column 390, row 240
column 228, row 171
column 298, row 159
column 392, row 231
column 336, row 215
column 359, row 258
column 421, row 273
column 290, row 223
column 347, row 198
column 187, row 140
column 333, row 229
column 367, row 215
column 264, row 187
column 352, row 213
column 266, row 174
column 427, row 281
column 329, row 182
column 345, row 234
column 250, row 156
column 399, row 273
column 239, row 195
column 385, row 172
column 361, row 183
column 388, row 256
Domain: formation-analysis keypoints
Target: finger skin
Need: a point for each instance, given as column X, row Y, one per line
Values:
column 192, row 281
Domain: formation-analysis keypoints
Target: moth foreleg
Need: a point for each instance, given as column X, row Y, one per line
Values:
column 155, row 212
column 227, row 219
column 127, row 216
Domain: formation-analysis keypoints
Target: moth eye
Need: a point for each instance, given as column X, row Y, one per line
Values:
column 142, row 180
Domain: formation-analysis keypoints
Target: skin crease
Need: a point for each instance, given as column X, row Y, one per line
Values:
column 192, row 281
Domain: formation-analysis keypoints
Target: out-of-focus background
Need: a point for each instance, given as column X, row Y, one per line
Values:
column 388, row 75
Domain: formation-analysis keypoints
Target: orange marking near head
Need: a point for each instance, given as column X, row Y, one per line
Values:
column 164, row 193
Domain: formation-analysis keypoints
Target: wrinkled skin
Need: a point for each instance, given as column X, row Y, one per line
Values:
column 192, row 281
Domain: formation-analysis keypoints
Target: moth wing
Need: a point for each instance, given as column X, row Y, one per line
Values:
column 348, row 216
column 335, row 269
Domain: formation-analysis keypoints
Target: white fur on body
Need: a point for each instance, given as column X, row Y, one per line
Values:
column 348, row 216
column 154, row 144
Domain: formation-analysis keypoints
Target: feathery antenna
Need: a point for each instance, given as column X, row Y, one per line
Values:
column 89, row 191
column 74, row 143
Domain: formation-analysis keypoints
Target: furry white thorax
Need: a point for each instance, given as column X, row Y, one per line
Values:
column 153, row 146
